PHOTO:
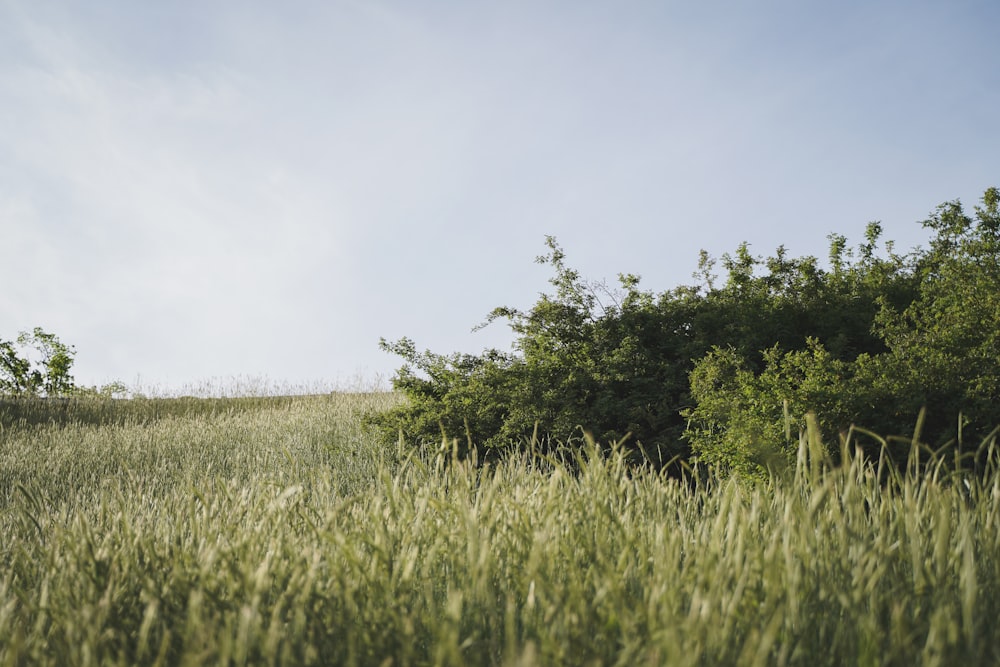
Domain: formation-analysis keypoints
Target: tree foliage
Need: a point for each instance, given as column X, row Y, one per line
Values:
column 48, row 375
column 727, row 370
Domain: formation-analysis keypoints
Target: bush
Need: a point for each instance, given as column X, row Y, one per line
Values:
column 727, row 373
column 939, row 360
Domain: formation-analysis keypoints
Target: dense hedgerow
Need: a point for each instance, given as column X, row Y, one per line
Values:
column 727, row 370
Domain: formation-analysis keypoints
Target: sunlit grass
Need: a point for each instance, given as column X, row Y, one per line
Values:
column 272, row 531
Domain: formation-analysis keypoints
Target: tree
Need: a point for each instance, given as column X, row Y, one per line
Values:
column 945, row 345
column 49, row 376
column 16, row 377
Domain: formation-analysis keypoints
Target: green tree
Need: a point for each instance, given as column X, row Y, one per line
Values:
column 16, row 377
column 945, row 345
column 48, row 376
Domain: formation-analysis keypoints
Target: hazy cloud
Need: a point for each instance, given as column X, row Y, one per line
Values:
column 208, row 189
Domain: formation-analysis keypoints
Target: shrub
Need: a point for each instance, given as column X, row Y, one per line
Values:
column 727, row 373
column 939, row 359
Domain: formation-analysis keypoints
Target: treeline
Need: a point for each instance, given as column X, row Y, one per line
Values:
column 727, row 370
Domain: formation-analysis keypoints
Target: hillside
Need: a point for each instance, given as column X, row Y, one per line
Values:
column 274, row 531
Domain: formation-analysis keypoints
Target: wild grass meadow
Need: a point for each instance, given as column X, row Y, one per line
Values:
column 274, row 531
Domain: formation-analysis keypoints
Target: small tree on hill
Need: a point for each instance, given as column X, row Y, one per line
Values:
column 48, row 376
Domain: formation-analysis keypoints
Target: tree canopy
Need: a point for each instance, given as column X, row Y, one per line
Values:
column 47, row 375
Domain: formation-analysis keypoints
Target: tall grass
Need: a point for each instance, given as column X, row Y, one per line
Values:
column 280, row 535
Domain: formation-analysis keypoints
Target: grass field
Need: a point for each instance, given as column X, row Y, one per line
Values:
column 272, row 531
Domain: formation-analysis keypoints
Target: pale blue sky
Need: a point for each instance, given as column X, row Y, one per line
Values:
column 212, row 189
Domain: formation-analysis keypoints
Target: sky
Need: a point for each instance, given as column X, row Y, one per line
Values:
column 220, row 191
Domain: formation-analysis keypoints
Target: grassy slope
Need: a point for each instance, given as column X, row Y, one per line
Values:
column 270, row 531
